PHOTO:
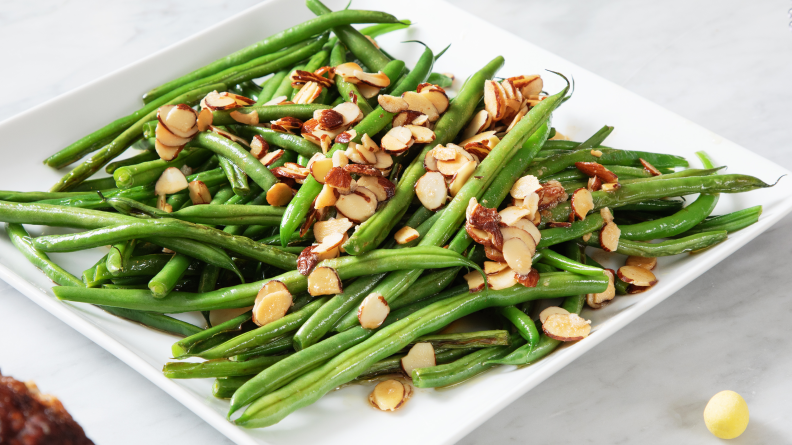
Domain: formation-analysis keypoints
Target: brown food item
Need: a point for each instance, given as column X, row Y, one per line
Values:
column 28, row 417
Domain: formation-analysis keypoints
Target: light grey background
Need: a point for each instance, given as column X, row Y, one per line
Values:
column 723, row 64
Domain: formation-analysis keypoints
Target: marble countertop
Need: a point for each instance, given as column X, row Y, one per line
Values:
column 722, row 64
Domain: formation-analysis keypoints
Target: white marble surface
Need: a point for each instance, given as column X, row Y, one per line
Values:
column 722, row 64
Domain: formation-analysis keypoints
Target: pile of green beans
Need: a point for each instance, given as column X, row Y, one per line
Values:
column 217, row 254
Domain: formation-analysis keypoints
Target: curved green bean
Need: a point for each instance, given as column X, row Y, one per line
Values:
column 666, row 248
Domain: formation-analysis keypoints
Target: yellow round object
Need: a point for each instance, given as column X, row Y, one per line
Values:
column 726, row 415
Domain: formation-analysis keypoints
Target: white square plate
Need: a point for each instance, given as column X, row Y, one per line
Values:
column 433, row 416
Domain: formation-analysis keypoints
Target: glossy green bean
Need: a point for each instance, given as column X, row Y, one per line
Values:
column 230, row 214
column 167, row 278
column 239, row 157
column 392, row 364
column 268, row 113
column 347, row 91
column 467, row 340
column 271, row 86
column 160, row 322
column 237, row 178
column 225, row 387
column 730, row 222
column 119, row 256
column 219, row 368
column 210, row 337
column 134, row 160
column 559, row 261
column 22, row 241
column 559, row 162
column 666, row 248
column 284, row 140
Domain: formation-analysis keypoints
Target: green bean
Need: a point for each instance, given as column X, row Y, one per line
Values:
column 105, row 184
column 12, row 196
column 237, row 178
column 141, row 266
column 230, row 214
column 690, row 243
column 637, row 192
column 468, row 340
column 375, row 31
column 300, row 205
column 167, row 278
column 550, row 237
column 730, row 222
column 596, row 139
column 291, row 142
column 654, row 205
column 21, row 239
column 220, row 197
column 392, row 364
column 466, row 367
column 621, row 286
column 348, row 91
column 134, row 160
column 559, row 162
column 225, row 387
column 285, row 89
column 680, row 174
column 90, row 143
column 278, row 344
column 675, row 224
column 440, row 80
column 89, row 274
column 119, row 256
column 344, row 367
column 269, row 88
column 560, row 261
column 210, row 337
column 623, row 172
column 219, row 368
column 268, row 113
column 156, row 321
column 278, row 41
column 239, row 157
column 119, row 144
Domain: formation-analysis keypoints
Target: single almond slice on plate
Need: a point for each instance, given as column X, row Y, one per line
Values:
column 320, row 168
column 547, row 312
column 418, row 102
column 199, row 193
column 251, row 118
column 597, row 301
column 582, row 203
column 569, row 327
column 639, row 261
column 431, row 190
column 524, row 186
column 491, row 267
column 637, row 276
column 326, row 198
column 322, row 229
column 518, row 255
column 270, row 158
column 477, row 124
column 390, row 395
column 397, row 140
column 461, row 177
column 392, row 104
column 358, row 206
column 502, row 280
column 595, row 169
column 648, row 167
column 171, row 181
column 531, row 279
column 272, row 302
column 609, row 237
column 373, row 311
column 405, row 235
column 382, row 188
column 324, row 281
column 474, row 281
column 421, row 355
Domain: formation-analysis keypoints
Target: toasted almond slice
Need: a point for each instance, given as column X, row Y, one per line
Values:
column 382, row 188
column 205, row 118
column 377, row 80
column 474, row 281
column 532, row 204
column 494, row 100
column 270, row 158
column 461, row 177
column 421, row 355
column 384, row 161
column 286, row 124
column 320, row 168
column 552, row 310
column 633, row 289
column 637, row 276
column 230, row 136
column 529, row 85
column 166, row 152
column 366, row 152
column 609, row 237
column 280, row 100
column 594, row 184
column 165, row 137
column 418, row 102
column 300, row 77
column 502, row 280
column 251, row 118
column 373, row 311
column 494, row 254
column 272, row 303
column 487, row 138
column 586, row 237
column 347, row 70
column 510, row 215
column 479, row 123
column 339, row 179
column 363, row 170
column 397, row 139
column 431, row 190
column 345, row 137
column 405, row 235
column 258, row 147
column 559, row 225
column 430, row 163
column 421, row 120
column 218, row 101
column 279, row 195
column 308, row 93
column 314, row 158
column 493, row 267
column 353, row 155
column 648, row 167
column 369, row 143
column 340, row 159
column 291, row 170
column 171, row 181
column 392, row 104
column 326, row 198
column 368, row 91
column 390, row 395
column 582, row 203
column 518, row 255
column 437, row 96
column 329, row 119
column 610, row 187
column 566, row 327
column 322, row 229
column 638, row 261
column 332, row 253
column 448, row 168
column 422, row 135
column 551, row 195
column 597, row 301
column 199, row 193
column 330, row 242
column 358, row 206
column 307, row 131
column 306, row 261
column 409, row 118
column 478, row 235
column 517, row 118
column 162, row 204
column 531, row 279
column 442, row 153
column 529, row 228
column 180, row 119
column 596, row 153
column 524, row 186
column 606, row 215
column 598, row 170
column 324, row 281
column 350, row 112
column 514, row 232
column 477, row 149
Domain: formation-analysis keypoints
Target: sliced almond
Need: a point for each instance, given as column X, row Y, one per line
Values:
column 171, row 181
column 373, row 311
column 272, row 302
column 552, row 310
column 330, row 242
column 368, row 91
column 449, row 168
column 219, row 101
column 279, row 195
column 286, row 124
column 494, row 254
column 300, row 77
column 551, row 195
column 419, row 103
column 320, row 168
column 205, row 118
column 230, row 136
column 597, row 301
column 258, row 147
column 510, row 215
column 648, row 167
column 328, row 119
column 165, row 152
column 382, row 188
column 350, row 112
column 524, row 186
column 598, row 170
column 436, row 95
column 461, row 177
column 307, row 131
column 308, row 93
column 326, row 198
column 280, row 100
column 307, row 261
column 638, row 261
column 494, row 100
column 488, row 220
column 529, row 85
column 353, row 155
column 377, row 80
column 365, row 151
column 199, row 193
column 165, row 137
column 529, row 228
column 324, row 281
column 478, row 150
column 390, row 395
column 606, row 215
column 477, row 124
column 596, row 153
column 397, row 140
column 409, row 118
column 637, row 276
column 358, row 206
column 339, row 179
column 594, row 184
column 270, row 158
column 610, row 187
column 369, row 143
column 487, row 138
column 347, row 70
column 518, row 255
column 492, row 267
column 384, row 162
column 442, row 153
column 531, row 279
column 405, row 235
column 392, row 104
column 322, row 229
column 430, row 162
column 421, row 355
column 513, row 232
column 291, row 170
column 251, row 118
column 345, row 137
column 422, row 135
column 568, row 327
column 363, row 170
column 609, row 237
column 582, row 203
column 475, row 281
column 340, row 159
column 633, row 289
column 431, row 190
column 502, row 280
column 516, row 120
